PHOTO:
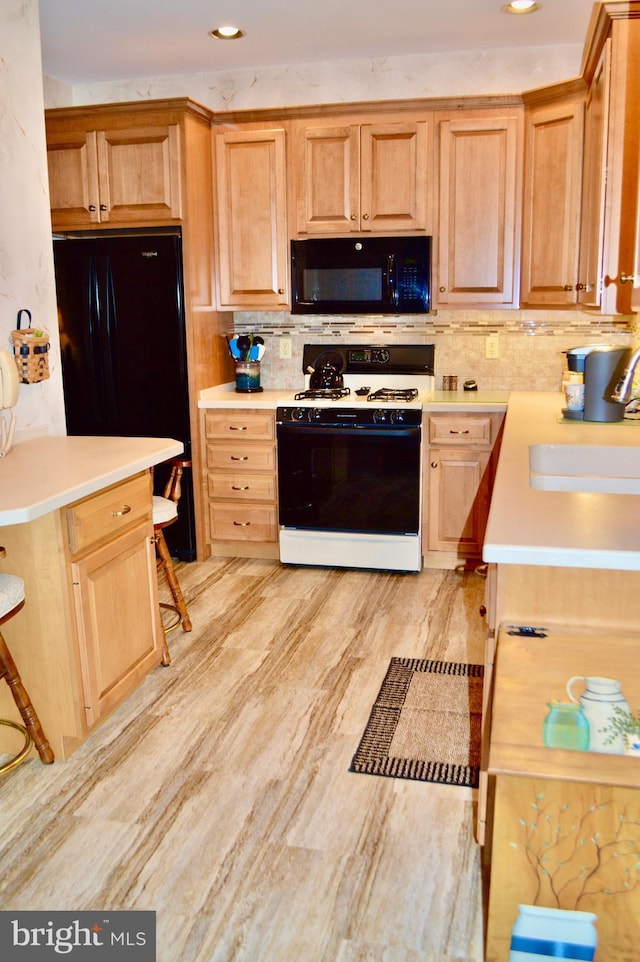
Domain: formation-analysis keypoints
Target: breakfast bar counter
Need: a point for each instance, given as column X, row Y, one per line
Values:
column 76, row 522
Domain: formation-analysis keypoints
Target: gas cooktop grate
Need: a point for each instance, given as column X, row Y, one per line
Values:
column 324, row 394
column 394, row 394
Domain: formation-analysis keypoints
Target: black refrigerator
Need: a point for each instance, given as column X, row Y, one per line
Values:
column 122, row 338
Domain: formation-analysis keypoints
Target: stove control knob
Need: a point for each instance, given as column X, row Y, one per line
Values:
column 379, row 416
column 397, row 417
column 314, row 414
column 297, row 414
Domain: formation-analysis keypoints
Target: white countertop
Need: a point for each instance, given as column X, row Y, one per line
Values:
column 47, row 473
column 567, row 529
column 225, row 396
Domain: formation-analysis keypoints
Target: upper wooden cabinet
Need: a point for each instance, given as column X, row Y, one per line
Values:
column 113, row 176
column 480, row 208
column 252, row 241
column 612, row 145
column 356, row 176
column 551, row 209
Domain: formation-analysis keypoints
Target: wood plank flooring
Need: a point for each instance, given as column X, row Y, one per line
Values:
column 219, row 793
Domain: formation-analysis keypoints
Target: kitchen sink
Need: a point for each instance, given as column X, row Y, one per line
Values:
column 605, row 469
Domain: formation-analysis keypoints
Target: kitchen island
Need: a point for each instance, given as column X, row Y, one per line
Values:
column 563, row 599
column 76, row 522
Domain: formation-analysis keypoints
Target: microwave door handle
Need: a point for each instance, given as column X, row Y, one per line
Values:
column 392, row 281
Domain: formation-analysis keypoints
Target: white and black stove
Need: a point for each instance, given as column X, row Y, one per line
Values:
column 349, row 457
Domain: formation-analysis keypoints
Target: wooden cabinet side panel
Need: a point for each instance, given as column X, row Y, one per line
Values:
column 41, row 637
column 552, row 194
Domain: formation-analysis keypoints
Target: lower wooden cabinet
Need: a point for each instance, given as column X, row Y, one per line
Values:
column 459, row 464
column 90, row 629
column 240, row 482
column 116, row 611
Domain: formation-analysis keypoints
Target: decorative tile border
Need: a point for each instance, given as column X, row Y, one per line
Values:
column 530, row 323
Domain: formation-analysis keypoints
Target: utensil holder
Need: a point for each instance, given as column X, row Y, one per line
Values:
column 247, row 377
column 31, row 352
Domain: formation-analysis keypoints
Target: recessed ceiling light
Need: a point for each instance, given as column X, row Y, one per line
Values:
column 522, row 6
column 227, row 33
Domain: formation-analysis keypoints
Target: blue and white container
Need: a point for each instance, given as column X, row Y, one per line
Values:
column 540, row 934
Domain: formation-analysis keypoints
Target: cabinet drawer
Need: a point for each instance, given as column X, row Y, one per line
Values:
column 105, row 514
column 256, row 425
column 243, row 522
column 460, row 429
column 241, row 457
column 248, row 487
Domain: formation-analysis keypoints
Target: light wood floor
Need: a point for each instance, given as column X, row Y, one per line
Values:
column 219, row 794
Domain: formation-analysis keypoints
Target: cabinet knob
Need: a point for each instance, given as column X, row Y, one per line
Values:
column 434, row 464
column 568, row 287
column 353, row 217
column 92, row 207
column 103, row 207
column 442, row 289
column 581, row 287
column 365, row 217
column 483, row 610
column 281, row 290
column 626, row 278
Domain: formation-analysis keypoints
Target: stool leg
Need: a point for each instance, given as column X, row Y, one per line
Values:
column 172, row 580
column 23, row 702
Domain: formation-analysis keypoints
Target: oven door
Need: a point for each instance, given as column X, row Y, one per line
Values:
column 352, row 479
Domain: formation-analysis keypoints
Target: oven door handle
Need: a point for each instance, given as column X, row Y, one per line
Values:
column 363, row 430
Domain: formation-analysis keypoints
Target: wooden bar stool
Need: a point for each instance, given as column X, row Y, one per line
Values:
column 11, row 601
column 165, row 512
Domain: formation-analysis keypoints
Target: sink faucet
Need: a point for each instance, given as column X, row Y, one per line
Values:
column 622, row 391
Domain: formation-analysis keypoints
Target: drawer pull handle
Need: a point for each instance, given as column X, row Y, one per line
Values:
column 242, row 524
column 235, row 427
column 239, row 487
column 245, row 457
column 466, row 431
column 118, row 514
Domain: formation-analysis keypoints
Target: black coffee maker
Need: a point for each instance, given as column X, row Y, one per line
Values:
column 602, row 366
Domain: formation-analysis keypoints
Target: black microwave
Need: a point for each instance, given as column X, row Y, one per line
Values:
column 361, row 275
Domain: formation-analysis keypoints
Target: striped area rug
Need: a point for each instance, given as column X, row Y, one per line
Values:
column 425, row 723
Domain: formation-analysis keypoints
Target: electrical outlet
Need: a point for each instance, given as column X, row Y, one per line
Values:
column 285, row 347
column 492, row 346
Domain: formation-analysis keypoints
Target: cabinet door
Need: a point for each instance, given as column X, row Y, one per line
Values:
column 480, row 199
column 593, row 184
column 552, row 192
column 252, row 225
column 362, row 177
column 393, row 187
column 459, row 494
column 327, row 161
column 139, row 174
column 116, row 603
column 73, row 178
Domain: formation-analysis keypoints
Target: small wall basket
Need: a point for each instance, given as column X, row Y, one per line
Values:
column 31, row 352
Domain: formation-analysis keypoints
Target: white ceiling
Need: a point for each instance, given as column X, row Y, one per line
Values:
column 85, row 41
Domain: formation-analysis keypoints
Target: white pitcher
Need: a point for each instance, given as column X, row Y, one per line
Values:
column 598, row 700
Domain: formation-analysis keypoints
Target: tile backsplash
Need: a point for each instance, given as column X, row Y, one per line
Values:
column 530, row 343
